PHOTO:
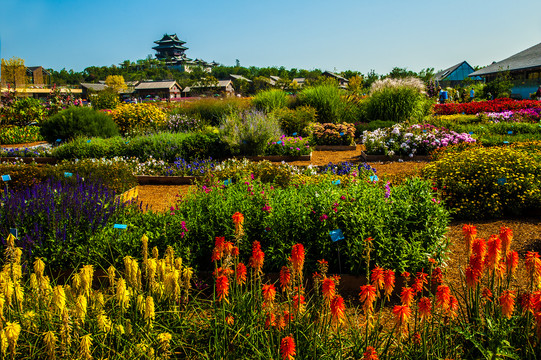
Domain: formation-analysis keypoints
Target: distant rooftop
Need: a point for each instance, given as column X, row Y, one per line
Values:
column 529, row 58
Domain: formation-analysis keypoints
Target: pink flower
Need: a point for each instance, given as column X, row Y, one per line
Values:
column 323, row 217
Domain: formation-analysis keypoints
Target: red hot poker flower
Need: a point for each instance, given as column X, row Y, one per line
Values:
column 425, row 308
column 470, row 233
column 512, row 262
column 241, row 274
column 367, row 296
column 258, row 256
column 507, row 302
column 406, row 296
column 297, row 258
column 443, row 294
column 285, row 278
column 338, row 309
column 377, row 278
column 506, row 235
column 494, row 250
column 328, row 289
column 222, row 288
column 370, row 354
column 287, row 348
column 388, row 282
column 402, row 314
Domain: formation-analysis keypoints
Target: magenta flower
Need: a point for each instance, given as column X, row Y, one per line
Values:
column 323, row 217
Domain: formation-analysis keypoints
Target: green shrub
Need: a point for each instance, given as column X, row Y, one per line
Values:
column 78, row 121
column 407, row 227
column 270, row 100
column 296, row 120
column 212, row 111
column 397, row 100
column 248, row 133
column 327, row 101
column 487, row 182
column 19, row 134
column 162, row 146
column 134, row 118
column 22, row 112
column 106, row 99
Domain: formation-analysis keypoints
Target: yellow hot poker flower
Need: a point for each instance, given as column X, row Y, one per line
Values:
column 162, row 269
column 164, row 340
column 104, row 323
column 149, row 310
column 187, row 274
column 59, row 298
column 29, row 319
column 111, row 272
column 2, row 302
column 39, row 267
column 17, row 253
column 140, row 304
column 80, row 308
column 155, row 253
column 119, row 329
column 178, row 263
column 151, row 271
column 144, row 241
column 3, row 343
column 19, row 294
column 12, row 334
column 84, row 347
column 98, row 300
column 50, row 343
column 10, row 241
column 86, row 274
column 76, row 282
column 172, row 287
column 122, row 294
column 169, row 256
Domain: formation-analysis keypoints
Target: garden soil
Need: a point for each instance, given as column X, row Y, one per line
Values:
column 527, row 231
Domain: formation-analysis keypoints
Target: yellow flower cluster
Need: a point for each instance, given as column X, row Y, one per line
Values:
column 72, row 320
column 488, row 182
column 136, row 116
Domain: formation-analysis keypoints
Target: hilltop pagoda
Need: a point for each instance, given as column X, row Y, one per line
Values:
column 171, row 49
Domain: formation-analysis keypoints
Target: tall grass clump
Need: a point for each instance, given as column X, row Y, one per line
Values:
column 212, row 111
column 249, row 133
column 270, row 100
column 78, row 121
column 327, row 101
column 397, row 100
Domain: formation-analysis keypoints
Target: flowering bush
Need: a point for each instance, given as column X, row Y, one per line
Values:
column 19, row 135
column 334, row 134
column 402, row 139
column 133, row 117
column 413, row 224
column 288, row 146
column 497, row 105
column 182, row 123
column 521, row 115
column 487, row 182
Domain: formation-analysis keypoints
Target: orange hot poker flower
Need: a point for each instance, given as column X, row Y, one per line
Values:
column 287, row 348
column 298, row 302
column 402, row 314
column 338, row 309
column 270, row 320
column 222, row 288
column 377, row 278
column 269, row 293
column 443, row 294
column 425, row 308
column 388, row 282
column 219, row 246
column 367, row 296
column 285, row 278
column 470, row 233
column 453, row 307
column 506, row 236
column 238, row 220
column 494, row 250
column 241, row 274
column 328, row 288
column 406, row 296
column 258, row 256
column 512, row 262
column 507, row 302
column 533, row 265
column 370, row 354
column 297, row 258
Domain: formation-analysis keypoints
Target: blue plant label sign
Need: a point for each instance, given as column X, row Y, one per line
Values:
column 510, row 132
column 294, row 134
column 14, row 232
column 336, row 182
column 506, row 142
column 227, row 182
column 279, row 142
column 6, row 177
column 120, row 226
column 471, row 132
column 341, row 134
column 336, row 235
column 88, row 141
column 58, row 140
column 424, row 130
column 374, row 178
column 502, row 181
column 68, row 174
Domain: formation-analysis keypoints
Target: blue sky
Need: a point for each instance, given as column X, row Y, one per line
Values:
column 341, row 35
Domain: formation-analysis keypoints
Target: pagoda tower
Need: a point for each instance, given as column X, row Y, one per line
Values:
column 171, row 48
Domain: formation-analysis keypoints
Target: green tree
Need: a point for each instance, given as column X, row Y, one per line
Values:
column 499, row 87
column 13, row 72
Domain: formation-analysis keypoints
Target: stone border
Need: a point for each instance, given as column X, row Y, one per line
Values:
column 336, row 147
column 371, row 158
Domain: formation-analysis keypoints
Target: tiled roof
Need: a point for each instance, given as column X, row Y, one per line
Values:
column 156, row 85
column 95, row 87
column 444, row 73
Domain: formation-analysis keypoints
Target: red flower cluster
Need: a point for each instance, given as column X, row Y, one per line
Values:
column 472, row 108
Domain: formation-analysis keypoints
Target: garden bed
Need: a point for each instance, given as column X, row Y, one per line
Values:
column 29, row 160
column 165, row 180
